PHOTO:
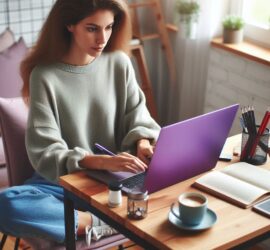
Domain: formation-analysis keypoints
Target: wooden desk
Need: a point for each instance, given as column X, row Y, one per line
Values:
column 234, row 226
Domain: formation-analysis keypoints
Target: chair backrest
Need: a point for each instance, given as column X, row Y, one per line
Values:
column 13, row 119
column 2, row 155
column 10, row 59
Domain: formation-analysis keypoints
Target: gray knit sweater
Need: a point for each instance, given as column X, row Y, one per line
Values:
column 73, row 107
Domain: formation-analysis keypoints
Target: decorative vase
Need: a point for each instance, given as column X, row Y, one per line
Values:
column 232, row 36
column 188, row 25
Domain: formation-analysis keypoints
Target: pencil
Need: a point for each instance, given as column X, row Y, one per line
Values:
column 247, row 117
column 253, row 120
column 261, row 130
column 242, row 123
column 246, row 120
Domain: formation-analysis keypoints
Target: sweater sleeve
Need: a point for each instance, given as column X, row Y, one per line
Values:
column 138, row 121
column 47, row 151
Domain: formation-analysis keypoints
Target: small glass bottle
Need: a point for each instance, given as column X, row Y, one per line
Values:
column 115, row 194
column 137, row 205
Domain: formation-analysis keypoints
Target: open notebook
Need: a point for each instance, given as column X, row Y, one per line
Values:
column 240, row 183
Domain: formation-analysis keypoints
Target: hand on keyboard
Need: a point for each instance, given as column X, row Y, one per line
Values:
column 145, row 150
column 123, row 162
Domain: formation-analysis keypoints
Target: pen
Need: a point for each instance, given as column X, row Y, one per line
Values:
column 246, row 120
column 262, row 128
column 245, row 151
column 264, row 122
column 243, row 124
column 252, row 119
column 103, row 149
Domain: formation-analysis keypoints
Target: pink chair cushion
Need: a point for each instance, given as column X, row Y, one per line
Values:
column 3, row 169
column 2, row 154
column 3, row 178
column 10, row 59
column 6, row 39
column 13, row 118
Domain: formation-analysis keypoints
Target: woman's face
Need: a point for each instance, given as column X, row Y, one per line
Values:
column 91, row 34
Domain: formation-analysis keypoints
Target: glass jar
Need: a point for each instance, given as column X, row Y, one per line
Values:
column 137, row 205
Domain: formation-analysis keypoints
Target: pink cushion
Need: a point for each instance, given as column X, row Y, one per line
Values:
column 3, row 178
column 6, row 39
column 13, row 118
column 10, row 59
column 2, row 155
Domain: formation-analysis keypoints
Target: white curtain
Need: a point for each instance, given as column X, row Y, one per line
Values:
column 185, row 98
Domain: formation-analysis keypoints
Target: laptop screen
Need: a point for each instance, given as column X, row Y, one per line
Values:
column 188, row 148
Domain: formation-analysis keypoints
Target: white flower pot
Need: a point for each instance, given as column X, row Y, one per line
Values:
column 189, row 26
column 189, row 30
column 232, row 36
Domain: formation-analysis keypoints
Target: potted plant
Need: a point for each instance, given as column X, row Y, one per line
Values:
column 233, row 29
column 189, row 15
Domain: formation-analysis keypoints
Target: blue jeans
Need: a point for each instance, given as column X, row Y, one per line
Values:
column 34, row 209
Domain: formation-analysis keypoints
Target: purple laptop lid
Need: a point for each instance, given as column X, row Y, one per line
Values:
column 189, row 148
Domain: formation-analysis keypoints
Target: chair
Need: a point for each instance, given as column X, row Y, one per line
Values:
column 13, row 117
column 10, row 81
column 3, row 170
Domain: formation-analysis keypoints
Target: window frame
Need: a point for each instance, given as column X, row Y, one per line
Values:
column 258, row 34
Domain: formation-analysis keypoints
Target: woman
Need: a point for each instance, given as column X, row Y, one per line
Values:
column 77, row 96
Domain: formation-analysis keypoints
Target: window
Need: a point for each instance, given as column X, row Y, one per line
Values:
column 257, row 17
column 257, row 13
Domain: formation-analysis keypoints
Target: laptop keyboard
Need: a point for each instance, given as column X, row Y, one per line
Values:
column 135, row 181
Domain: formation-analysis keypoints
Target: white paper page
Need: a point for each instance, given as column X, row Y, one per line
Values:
column 230, row 186
column 249, row 173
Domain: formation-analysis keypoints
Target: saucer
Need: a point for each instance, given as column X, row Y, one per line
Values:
column 208, row 221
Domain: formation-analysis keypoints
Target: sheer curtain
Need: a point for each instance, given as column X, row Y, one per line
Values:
column 184, row 98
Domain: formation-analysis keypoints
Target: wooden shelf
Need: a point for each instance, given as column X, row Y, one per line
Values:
column 171, row 27
column 245, row 49
column 161, row 33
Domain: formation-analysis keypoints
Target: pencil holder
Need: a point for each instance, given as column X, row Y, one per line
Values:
column 254, row 148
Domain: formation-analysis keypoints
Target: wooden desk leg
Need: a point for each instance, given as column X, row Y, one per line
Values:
column 69, row 222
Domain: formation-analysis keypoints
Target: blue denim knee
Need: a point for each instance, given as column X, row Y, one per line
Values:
column 27, row 211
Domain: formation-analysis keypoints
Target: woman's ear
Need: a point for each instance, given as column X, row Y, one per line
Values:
column 70, row 28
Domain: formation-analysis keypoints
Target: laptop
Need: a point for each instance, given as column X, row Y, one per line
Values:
column 183, row 150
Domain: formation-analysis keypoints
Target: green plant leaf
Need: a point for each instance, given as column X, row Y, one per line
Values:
column 187, row 7
column 232, row 22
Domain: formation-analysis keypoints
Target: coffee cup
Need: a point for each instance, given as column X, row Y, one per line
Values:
column 192, row 208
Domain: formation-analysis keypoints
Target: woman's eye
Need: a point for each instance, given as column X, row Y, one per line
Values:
column 91, row 29
column 109, row 27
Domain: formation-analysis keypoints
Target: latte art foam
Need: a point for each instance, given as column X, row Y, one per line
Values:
column 192, row 201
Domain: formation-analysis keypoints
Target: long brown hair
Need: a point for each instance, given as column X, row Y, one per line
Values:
column 55, row 39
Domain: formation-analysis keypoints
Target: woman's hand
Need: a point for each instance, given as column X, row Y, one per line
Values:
column 120, row 162
column 145, row 150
